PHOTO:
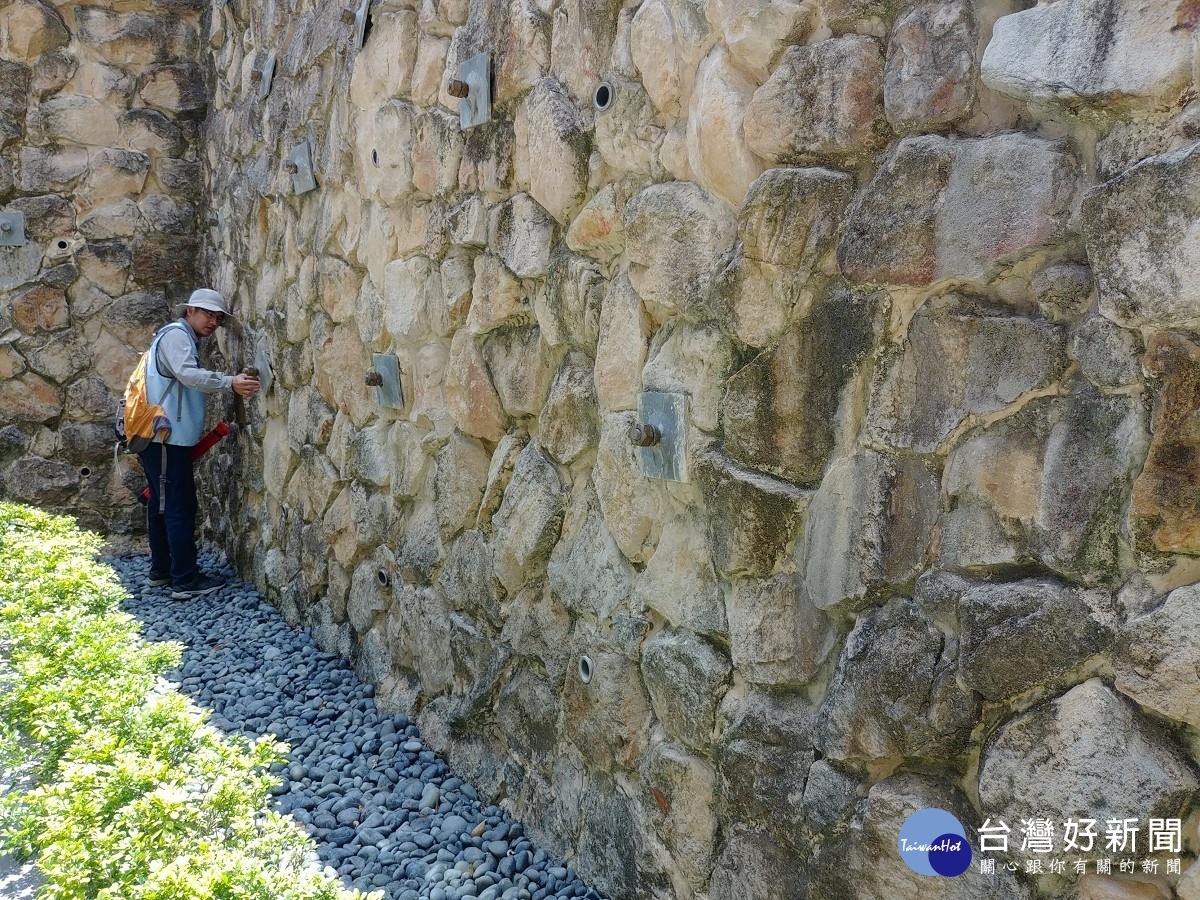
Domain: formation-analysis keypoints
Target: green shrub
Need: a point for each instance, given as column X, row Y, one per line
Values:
column 135, row 797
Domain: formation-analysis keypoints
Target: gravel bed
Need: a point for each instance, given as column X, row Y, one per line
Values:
column 385, row 811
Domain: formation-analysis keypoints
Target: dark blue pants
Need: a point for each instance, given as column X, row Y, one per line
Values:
column 173, row 533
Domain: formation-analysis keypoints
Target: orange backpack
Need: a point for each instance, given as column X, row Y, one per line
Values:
column 139, row 422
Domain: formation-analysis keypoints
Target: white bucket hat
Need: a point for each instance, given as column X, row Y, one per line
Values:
column 206, row 298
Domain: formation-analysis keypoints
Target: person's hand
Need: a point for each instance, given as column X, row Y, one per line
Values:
column 246, row 386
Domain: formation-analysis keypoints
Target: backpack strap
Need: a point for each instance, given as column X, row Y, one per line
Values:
column 175, row 383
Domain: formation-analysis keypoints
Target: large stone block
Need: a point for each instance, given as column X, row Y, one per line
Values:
column 1056, row 762
column 686, row 678
column 568, row 425
column 174, row 89
column 668, row 38
column 1140, row 229
column 14, row 91
column 822, row 102
column 497, row 297
column 462, row 468
column 765, row 754
column 80, row 120
column 470, row 396
column 938, row 208
column 757, row 865
column 341, row 359
column 753, row 517
column 679, row 582
column 436, row 153
column 895, row 692
column 776, row 635
column 521, row 232
column 587, row 571
column 40, row 308
column 522, row 368
column 718, row 153
column 956, row 364
column 680, row 807
column 608, row 719
column 29, row 28
column 629, row 501
column 581, row 44
column 599, row 229
column 558, row 146
column 930, row 76
column 779, row 413
column 527, row 525
column 1165, row 515
column 757, row 32
column 35, row 480
column 30, row 399
column 136, row 39
column 673, row 234
column 1050, row 627
column 628, row 138
column 568, row 304
column 384, row 66
column 868, row 528
column 1098, row 53
column 622, row 346
column 864, row 862
column 1156, row 659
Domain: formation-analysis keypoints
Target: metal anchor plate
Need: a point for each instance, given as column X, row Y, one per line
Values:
column 302, row 178
column 12, row 229
column 390, row 393
column 268, row 75
column 262, row 362
column 476, row 108
column 668, row 413
column 360, row 23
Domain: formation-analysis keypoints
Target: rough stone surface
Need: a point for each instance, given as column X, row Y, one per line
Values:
column 686, row 678
column 930, row 75
column 779, row 413
column 1053, row 761
column 672, row 234
column 1155, row 658
column 894, row 692
column 958, row 364
column 766, row 755
column 1163, row 514
column 1050, row 627
column 822, row 102
column 528, row 521
column 717, row 142
column 865, row 863
column 867, row 528
column 776, row 634
column 679, row 581
column 938, row 208
column 754, row 517
column 1092, row 53
column 1139, row 229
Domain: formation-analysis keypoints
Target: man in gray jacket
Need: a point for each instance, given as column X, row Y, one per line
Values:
column 175, row 380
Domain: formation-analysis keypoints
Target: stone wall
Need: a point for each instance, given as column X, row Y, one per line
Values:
column 100, row 112
column 928, row 275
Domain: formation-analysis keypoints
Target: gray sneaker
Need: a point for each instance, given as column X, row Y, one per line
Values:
column 199, row 586
column 155, row 579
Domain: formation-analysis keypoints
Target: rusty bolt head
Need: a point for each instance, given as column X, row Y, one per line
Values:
column 252, row 371
column 256, row 75
column 5, row 227
column 373, row 378
column 643, row 434
column 348, row 16
column 458, row 88
column 291, row 166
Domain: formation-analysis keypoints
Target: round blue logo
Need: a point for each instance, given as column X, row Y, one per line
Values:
column 933, row 842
